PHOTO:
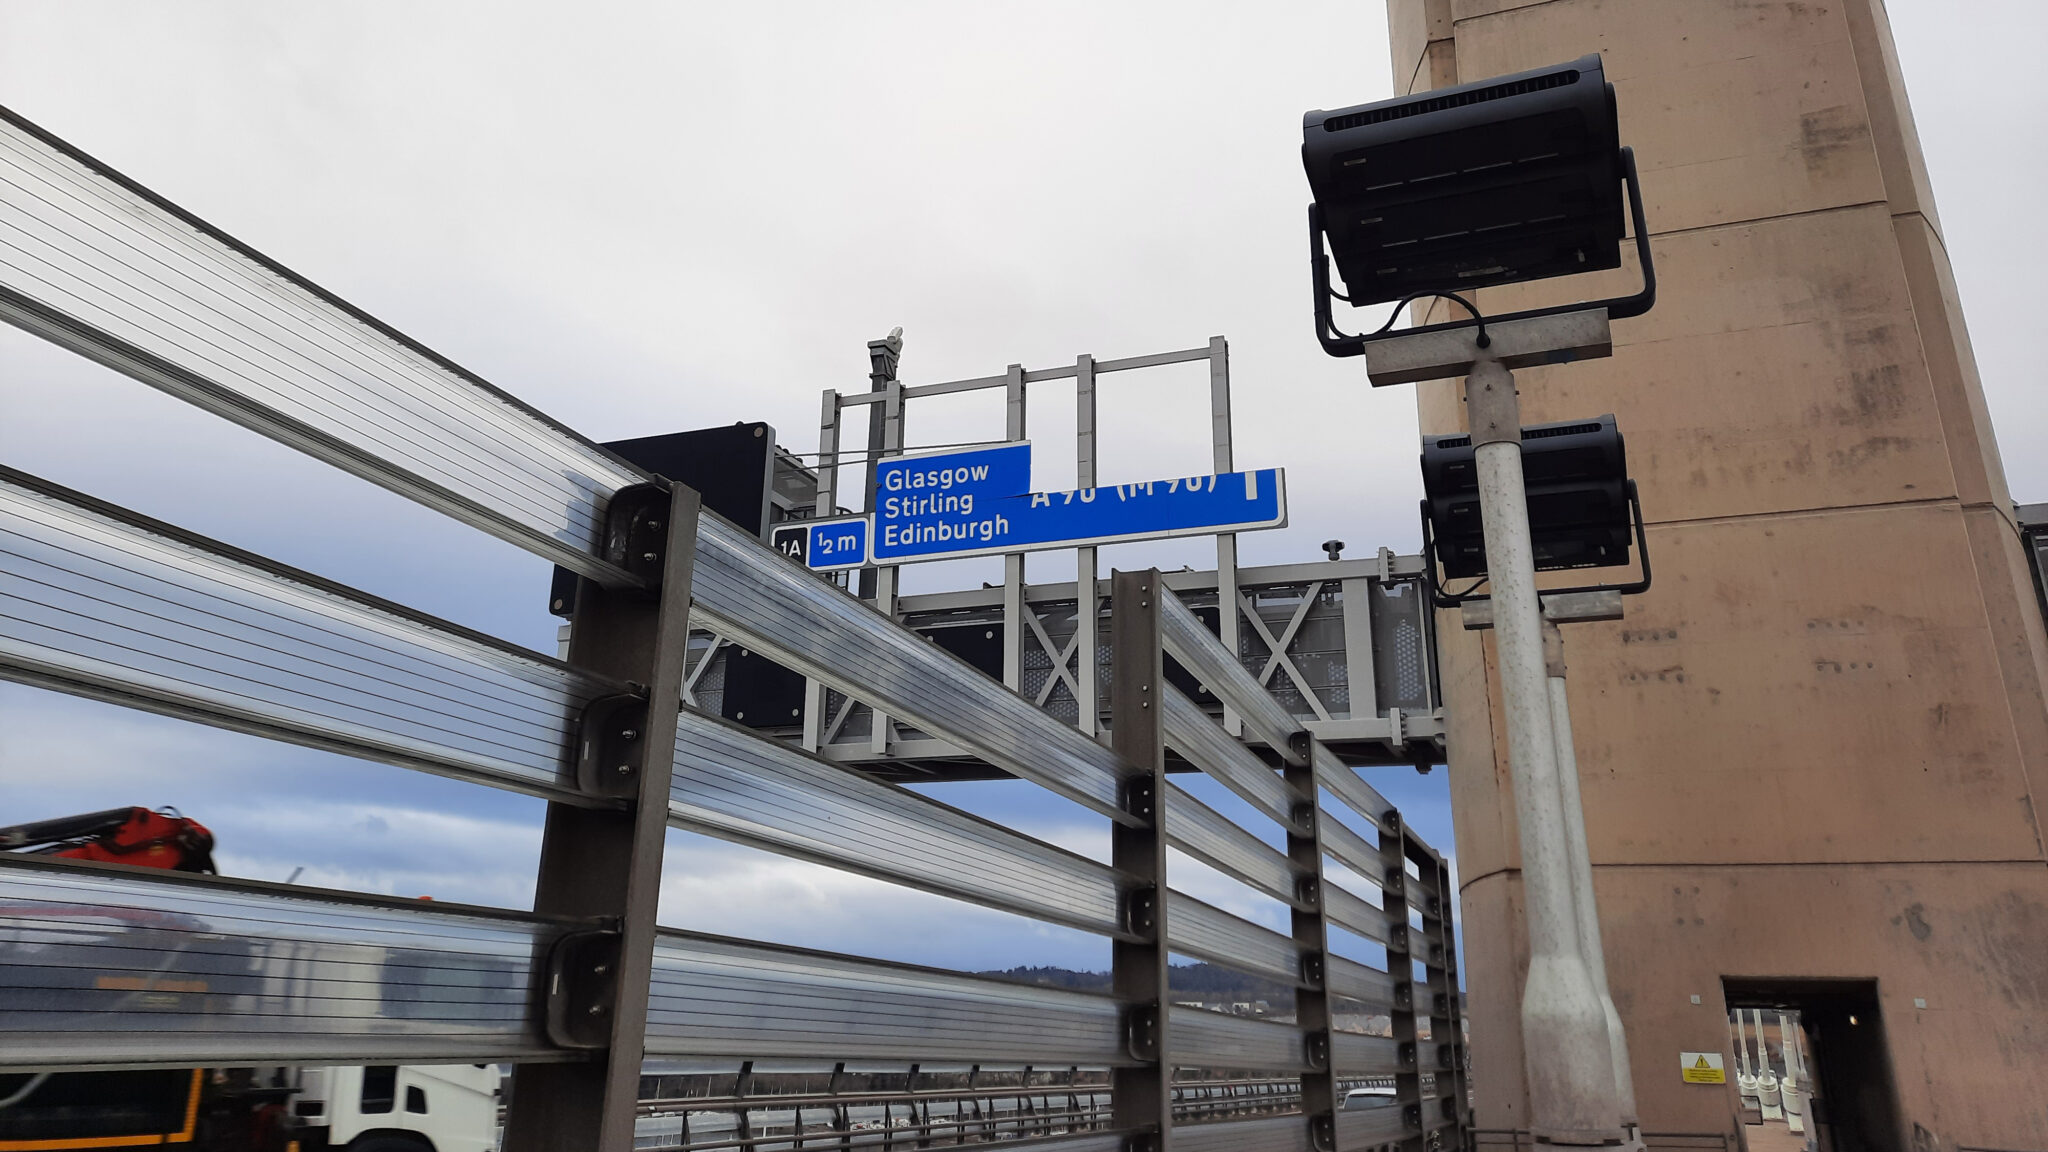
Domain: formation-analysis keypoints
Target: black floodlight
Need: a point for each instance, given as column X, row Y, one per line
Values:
column 1582, row 505
column 1495, row 182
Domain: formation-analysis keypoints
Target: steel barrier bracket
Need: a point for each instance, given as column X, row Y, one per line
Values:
column 609, row 746
column 1309, row 891
column 1141, row 911
column 1141, row 1033
column 582, row 983
column 635, row 532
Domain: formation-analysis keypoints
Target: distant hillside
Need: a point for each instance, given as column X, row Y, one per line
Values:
column 1206, row 982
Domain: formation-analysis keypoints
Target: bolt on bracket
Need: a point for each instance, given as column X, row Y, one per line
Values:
column 582, row 987
column 609, row 735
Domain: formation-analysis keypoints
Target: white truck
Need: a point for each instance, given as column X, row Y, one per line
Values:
column 398, row 1108
column 379, row 1108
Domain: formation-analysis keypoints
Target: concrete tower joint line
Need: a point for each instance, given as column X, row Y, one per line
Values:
column 1568, row 1059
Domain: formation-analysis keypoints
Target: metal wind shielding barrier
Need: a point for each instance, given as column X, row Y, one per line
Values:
column 1189, row 642
column 718, row 997
column 733, row 784
column 106, row 604
column 98, row 264
column 106, row 967
column 746, row 590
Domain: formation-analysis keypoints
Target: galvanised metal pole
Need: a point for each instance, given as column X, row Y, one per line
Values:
column 1566, row 1058
column 1582, row 873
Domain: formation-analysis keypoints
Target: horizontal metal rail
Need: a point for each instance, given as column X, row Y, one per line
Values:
column 1354, row 981
column 1209, row 933
column 923, row 1096
column 1262, row 1134
column 1208, row 836
column 1015, row 1130
column 102, row 968
column 1187, row 640
column 1079, row 1082
column 96, row 263
column 1344, row 845
column 1349, row 911
column 718, row 997
column 1208, row 747
column 746, row 590
column 1362, row 1128
column 1356, row 1054
column 733, row 784
column 1199, row 1038
column 107, row 604
column 1035, row 375
column 1343, row 782
column 778, row 1120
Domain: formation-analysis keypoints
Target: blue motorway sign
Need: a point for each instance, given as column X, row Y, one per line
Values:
column 978, row 503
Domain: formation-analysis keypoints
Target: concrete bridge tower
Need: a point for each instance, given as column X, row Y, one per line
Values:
column 1814, row 754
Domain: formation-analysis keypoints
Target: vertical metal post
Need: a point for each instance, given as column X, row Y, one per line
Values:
column 885, row 577
column 1361, row 678
column 1141, row 1097
column 605, row 863
column 828, row 503
column 1583, row 897
column 1013, row 564
column 883, row 356
column 1446, row 1017
column 1222, row 459
column 1320, row 1098
column 1566, row 1057
column 1401, row 944
column 1085, row 603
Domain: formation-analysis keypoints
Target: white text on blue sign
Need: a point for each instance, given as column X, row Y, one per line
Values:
column 976, row 503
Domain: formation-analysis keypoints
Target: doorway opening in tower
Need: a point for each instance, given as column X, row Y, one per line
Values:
column 1811, row 1068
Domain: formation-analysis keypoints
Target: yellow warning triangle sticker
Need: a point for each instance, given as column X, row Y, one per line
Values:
column 1703, row 1062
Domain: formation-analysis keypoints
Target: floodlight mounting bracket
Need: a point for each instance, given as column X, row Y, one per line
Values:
column 1338, row 343
column 1443, row 599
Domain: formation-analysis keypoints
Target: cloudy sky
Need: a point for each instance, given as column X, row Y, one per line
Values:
column 644, row 218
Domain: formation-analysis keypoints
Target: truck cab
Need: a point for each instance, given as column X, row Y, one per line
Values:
column 398, row 1108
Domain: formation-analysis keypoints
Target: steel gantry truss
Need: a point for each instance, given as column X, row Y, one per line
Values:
column 577, row 993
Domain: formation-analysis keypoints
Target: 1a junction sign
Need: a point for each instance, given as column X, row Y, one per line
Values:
column 979, row 503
